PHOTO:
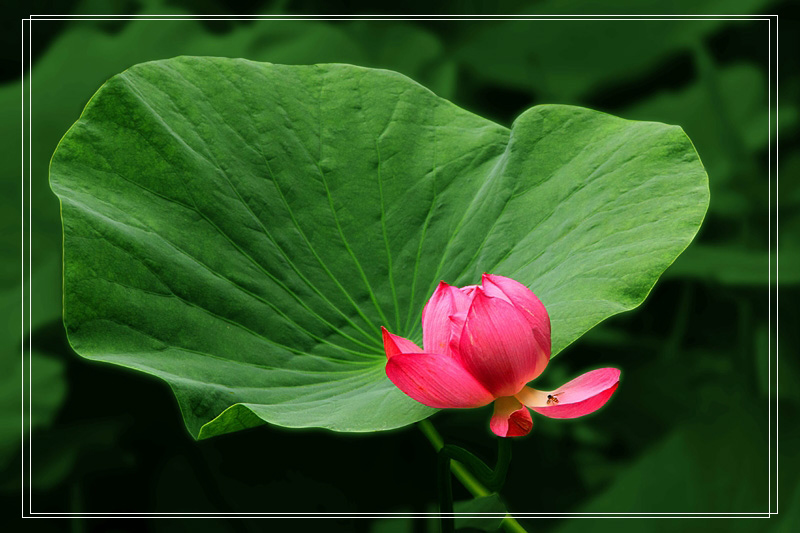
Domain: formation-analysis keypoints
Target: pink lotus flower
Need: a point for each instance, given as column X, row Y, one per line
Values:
column 482, row 345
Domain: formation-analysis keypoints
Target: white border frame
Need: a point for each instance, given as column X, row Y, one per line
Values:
column 772, row 75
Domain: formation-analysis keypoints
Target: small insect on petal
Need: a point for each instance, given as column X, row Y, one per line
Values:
column 581, row 396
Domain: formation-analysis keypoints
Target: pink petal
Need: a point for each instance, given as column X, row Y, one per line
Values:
column 583, row 395
column 437, row 330
column 436, row 380
column 456, row 327
column 435, row 323
column 463, row 297
column 462, row 300
column 395, row 344
column 498, row 347
column 523, row 299
column 510, row 418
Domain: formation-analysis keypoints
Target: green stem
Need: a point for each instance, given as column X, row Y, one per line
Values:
column 78, row 524
column 466, row 478
column 475, row 466
column 503, row 462
column 446, row 517
column 493, row 479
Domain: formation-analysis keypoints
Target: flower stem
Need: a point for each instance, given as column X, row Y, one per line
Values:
column 503, row 461
column 466, row 478
column 446, row 518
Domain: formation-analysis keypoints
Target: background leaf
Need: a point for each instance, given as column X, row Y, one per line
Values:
column 538, row 59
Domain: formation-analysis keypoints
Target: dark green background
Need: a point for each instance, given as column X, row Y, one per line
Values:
column 687, row 430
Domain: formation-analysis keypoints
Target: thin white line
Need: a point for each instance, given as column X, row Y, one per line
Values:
column 22, row 271
column 769, row 264
column 397, row 514
column 30, row 269
column 362, row 516
column 386, row 513
column 403, row 17
column 377, row 18
column 777, row 266
column 365, row 516
column 294, row 17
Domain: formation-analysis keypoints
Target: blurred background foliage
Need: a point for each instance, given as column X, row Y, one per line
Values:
column 688, row 428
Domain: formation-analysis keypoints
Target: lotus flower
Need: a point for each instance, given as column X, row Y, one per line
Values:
column 482, row 345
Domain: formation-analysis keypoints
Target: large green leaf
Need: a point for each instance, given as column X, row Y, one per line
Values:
column 242, row 229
